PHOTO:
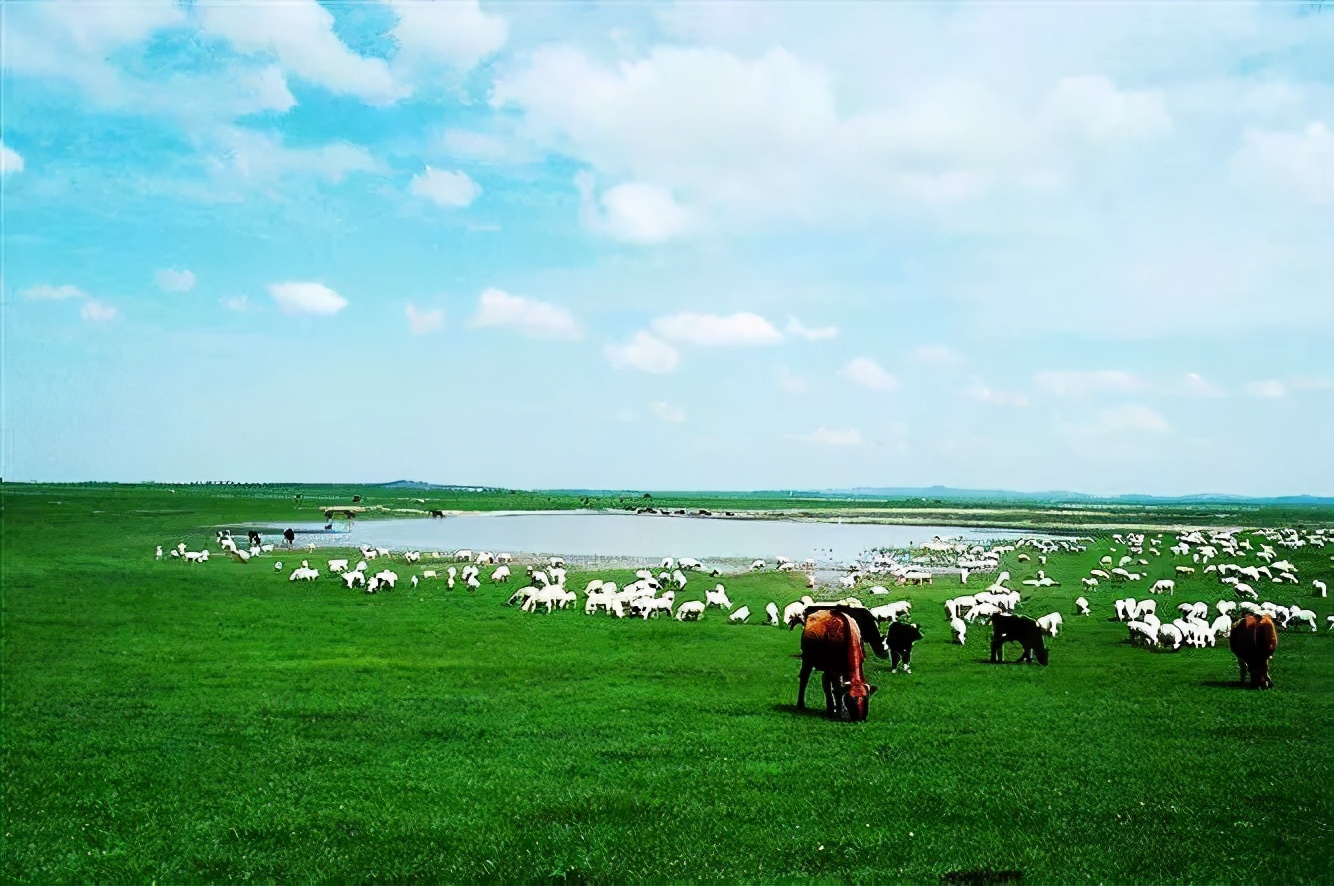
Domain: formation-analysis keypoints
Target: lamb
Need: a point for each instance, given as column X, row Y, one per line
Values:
column 1051, row 623
column 1083, row 606
column 740, row 615
column 387, row 577
column 1089, row 582
column 1164, row 585
column 689, row 611
column 1303, row 616
column 772, row 611
column 960, row 628
column 338, row 566
column 303, row 573
column 717, row 597
column 355, row 577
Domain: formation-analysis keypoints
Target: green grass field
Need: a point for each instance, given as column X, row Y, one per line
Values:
column 216, row 723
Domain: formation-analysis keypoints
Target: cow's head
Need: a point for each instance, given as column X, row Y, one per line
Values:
column 1041, row 653
column 855, row 699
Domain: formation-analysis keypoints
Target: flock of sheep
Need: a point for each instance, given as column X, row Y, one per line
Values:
column 652, row 594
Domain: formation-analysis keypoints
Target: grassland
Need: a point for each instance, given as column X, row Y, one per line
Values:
column 172, row 723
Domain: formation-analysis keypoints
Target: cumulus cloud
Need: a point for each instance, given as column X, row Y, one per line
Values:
column 1300, row 163
column 300, row 35
column 454, row 189
column 634, row 212
column 866, row 372
column 1094, row 108
column 645, row 353
column 937, row 355
column 172, row 280
column 53, row 293
column 420, row 322
column 528, row 317
column 983, row 393
column 307, row 298
column 10, row 160
column 1083, row 383
column 94, row 311
column 247, row 157
column 668, row 413
column 452, row 33
column 1270, row 389
column 795, row 327
column 831, row 437
column 793, row 384
column 712, row 330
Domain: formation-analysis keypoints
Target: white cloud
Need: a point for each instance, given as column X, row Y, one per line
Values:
column 1130, row 418
column 1195, row 385
column 239, row 303
column 245, row 156
column 426, row 320
column 793, row 384
column 937, row 355
column 300, row 35
column 829, row 437
column 10, row 160
column 94, row 311
column 673, row 414
column 1083, row 383
column 985, row 394
column 455, row 33
column 1300, row 163
column 794, row 327
column 307, row 298
column 645, row 353
column 1270, row 389
column 866, row 372
column 625, row 416
column 634, row 212
column 1096, row 110
column 529, row 317
column 53, row 293
column 1311, row 383
column 445, row 188
column 742, row 328
column 172, row 280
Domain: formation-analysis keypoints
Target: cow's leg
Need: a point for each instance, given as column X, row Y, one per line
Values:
column 893, row 660
column 996, row 643
column 907, row 660
column 1241, row 662
column 801, row 689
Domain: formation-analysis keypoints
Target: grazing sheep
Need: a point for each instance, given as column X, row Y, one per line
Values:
column 960, row 629
column 1245, row 590
column 1320, row 590
column 1185, row 570
column 740, row 615
column 1164, row 585
column 717, row 597
column 414, row 581
column 1143, row 633
column 690, row 611
column 338, row 566
column 1051, row 623
column 1089, row 582
column 795, row 613
column 1170, row 634
column 1196, row 610
column 772, row 611
column 1083, row 606
column 892, row 611
column 758, row 564
column 1226, row 607
column 1302, row 616
column 501, row 573
column 355, row 577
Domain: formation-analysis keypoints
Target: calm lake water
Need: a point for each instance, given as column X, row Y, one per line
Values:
column 594, row 534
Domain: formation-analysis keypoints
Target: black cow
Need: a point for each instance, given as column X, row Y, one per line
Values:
column 1018, row 629
column 289, row 536
column 900, row 636
column 254, row 538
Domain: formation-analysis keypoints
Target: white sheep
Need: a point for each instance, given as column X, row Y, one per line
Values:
column 278, row 566
column 1083, row 605
column 960, row 628
column 1051, row 623
column 740, row 615
column 387, row 577
column 1302, row 616
column 1196, row 610
column 501, row 573
column 758, row 564
column 772, row 611
column 690, row 611
column 1143, row 633
column 354, row 577
column 1226, row 607
column 717, row 597
column 1320, row 590
column 338, row 566
column 1163, row 585
column 1170, row 634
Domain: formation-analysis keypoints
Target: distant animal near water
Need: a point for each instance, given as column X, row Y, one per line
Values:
column 1253, row 640
column 831, row 643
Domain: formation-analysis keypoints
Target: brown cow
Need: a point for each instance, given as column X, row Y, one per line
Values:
column 832, row 644
column 1253, row 640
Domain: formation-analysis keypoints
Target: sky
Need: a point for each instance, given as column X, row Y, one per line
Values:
column 1032, row 246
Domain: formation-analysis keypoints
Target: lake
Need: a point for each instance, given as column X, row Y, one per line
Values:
column 600, row 534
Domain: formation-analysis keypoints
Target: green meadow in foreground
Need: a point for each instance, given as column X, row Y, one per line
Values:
column 216, row 723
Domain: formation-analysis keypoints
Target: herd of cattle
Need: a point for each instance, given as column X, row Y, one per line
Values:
column 834, row 632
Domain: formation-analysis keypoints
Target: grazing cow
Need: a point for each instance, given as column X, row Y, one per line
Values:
column 831, row 643
column 899, row 637
column 1019, row 629
column 289, row 536
column 1253, row 641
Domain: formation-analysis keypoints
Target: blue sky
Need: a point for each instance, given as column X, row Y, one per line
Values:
column 722, row 245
